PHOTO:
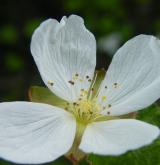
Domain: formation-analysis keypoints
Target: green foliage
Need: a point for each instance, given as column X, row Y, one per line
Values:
column 14, row 62
column 30, row 26
column 8, row 34
column 102, row 17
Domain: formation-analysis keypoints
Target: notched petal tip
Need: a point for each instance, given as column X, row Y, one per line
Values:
column 56, row 46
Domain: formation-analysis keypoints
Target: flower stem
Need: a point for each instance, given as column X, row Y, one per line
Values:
column 75, row 154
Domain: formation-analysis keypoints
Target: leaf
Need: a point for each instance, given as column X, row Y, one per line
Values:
column 148, row 155
column 60, row 161
column 3, row 162
column 44, row 95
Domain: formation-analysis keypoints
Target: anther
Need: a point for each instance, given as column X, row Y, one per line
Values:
column 50, row 83
column 103, row 97
column 109, row 105
column 115, row 85
column 74, row 104
column 105, row 87
column 89, row 80
column 71, row 82
column 108, row 113
column 87, row 77
column 76, row 75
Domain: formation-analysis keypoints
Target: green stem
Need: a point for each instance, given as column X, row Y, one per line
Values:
column 75, row 154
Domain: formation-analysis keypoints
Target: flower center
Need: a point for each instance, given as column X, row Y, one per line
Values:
column 85, row 111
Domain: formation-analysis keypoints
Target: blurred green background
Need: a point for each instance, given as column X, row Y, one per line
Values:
column 112, row 21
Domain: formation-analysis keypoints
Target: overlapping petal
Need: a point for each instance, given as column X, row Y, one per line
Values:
column 33, row 133
column 115, row 137
column 132, row 81
column 65, row 54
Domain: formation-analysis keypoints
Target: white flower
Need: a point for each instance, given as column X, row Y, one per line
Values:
column 65, row 54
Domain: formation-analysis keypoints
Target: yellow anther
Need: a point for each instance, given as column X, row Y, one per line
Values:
column 80, row 80
column 104, row 97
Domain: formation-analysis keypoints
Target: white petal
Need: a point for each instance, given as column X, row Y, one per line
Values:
column 136, row 70
column 115, row 137
column 32, row 133
column 62, row 51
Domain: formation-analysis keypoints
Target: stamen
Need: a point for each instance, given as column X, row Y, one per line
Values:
column 75, row 77
column 74, row 104
column 109, row 105
column 115, row 85
column 71, row 82
column 104, row 98
column 50, row 83
column 87, row 77
column 92, row 85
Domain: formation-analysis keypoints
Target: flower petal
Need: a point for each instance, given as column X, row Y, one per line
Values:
column 65, row 54
column 115, row 137
column 32, row 133
column 132, row 81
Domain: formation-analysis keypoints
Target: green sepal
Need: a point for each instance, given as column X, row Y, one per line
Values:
column 44, row 95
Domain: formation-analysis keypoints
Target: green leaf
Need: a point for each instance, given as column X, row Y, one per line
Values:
column 3, row 162
column 44, row 95
column 148, row 155
column 60, row 161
